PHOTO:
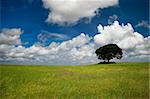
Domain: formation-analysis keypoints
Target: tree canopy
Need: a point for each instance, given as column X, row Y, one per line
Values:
column 108, row 52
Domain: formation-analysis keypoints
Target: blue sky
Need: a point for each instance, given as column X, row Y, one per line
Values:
column 30, row 15
column 67, row 32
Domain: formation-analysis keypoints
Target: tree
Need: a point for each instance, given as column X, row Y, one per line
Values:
column 108, row 52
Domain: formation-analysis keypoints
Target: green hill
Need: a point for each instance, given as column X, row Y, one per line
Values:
column 103, row 81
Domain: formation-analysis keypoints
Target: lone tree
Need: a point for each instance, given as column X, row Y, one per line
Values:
column 108, row 52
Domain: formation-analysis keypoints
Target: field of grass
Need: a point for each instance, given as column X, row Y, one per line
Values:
column 103, row 81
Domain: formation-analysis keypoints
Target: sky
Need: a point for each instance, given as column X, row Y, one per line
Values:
column 67, row 32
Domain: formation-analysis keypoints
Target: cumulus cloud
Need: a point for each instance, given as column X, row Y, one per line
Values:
column 10, row 36
column 79, row 50
column 144, row 24
column 76, row 51
column 133, row 43
column 70, row 11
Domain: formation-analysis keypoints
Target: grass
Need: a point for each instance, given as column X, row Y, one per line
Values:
column 103, row 81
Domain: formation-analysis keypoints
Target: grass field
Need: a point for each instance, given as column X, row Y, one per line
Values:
column 104, row 81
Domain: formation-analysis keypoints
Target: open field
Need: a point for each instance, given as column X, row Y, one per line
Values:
column 104, row 81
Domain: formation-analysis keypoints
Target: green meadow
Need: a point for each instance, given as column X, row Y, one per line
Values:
column 103, row 81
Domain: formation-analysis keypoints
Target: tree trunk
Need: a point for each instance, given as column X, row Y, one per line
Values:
column 108, row 60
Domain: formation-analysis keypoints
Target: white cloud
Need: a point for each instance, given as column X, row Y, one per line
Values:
column 144, row 24
column 133, row 43
column 10, row 36
column 8, row 39
column 45, row 36
column 76, row 51
column 70, row 11
column 79, row 50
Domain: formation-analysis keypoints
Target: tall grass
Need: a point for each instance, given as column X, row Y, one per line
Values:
column 108, row 81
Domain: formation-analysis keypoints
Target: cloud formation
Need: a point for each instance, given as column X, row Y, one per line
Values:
column 133, row 43
column 10, row 36
column 112, row 18
column 72, row 52
column 45, row 36
column 79, row 50
column 70, row 11
column 144, row 24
